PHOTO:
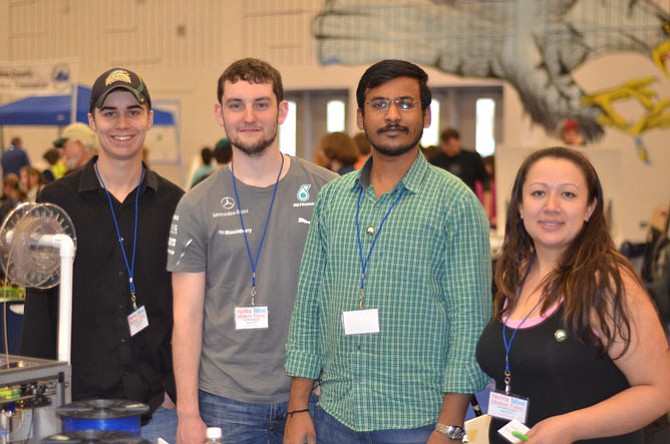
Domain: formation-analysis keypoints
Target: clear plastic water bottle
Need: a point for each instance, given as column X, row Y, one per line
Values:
column 214, row 435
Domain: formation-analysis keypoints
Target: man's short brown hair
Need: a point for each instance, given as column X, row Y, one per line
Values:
column 253, row 71
column 448, row 134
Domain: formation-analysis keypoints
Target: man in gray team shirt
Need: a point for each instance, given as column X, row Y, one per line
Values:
column 235, row 249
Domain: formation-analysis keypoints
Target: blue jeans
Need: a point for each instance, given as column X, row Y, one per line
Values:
column 330, row 431
column 163, row 424
column 242, row 422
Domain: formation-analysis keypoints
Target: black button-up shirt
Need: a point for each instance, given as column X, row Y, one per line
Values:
column 106, row 361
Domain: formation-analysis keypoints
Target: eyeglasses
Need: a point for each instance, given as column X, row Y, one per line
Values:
column 403, row 104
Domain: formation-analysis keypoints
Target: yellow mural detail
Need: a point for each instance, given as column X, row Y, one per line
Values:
column 661, row 54
column 535, row 46
column 656, row 112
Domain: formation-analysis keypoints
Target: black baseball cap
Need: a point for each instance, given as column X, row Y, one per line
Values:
column 118, row 78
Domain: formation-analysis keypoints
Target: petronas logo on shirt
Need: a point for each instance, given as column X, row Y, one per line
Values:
column 303, row 192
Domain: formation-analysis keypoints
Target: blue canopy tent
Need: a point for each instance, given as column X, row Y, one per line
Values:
column 56, row 110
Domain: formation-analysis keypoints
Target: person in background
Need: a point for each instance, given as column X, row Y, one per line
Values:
column 78, row 143
column 429, row 151
column 12, row 195
column 204, row 170
column 394, row 286
column 655, row 267
column 319, row 158
column 14, row 157
column 575, row 341
column 364, row 148
column 339, row 152
column 570, row 134
column 31, row 182
column 489, row 166
column 121, row 294
column 223, row 152
column 465, row 164
column 57, row 168
column 234, row 253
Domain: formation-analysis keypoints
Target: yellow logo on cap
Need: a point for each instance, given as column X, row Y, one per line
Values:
column 118, row 76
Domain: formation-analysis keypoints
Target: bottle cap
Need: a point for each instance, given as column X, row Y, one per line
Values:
column 213, row 432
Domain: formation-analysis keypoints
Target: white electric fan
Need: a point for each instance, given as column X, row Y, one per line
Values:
column 37, row 247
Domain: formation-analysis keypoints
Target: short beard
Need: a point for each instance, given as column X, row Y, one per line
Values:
column 397, row 151
column 254, row 150
column 72, row 163
column 258, row 148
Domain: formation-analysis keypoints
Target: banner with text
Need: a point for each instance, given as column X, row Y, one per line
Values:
column 29, row 79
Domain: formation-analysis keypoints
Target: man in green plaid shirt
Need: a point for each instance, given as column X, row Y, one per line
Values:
column 394, row 286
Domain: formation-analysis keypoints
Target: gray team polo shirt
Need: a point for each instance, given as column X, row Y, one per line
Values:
column 206, row 235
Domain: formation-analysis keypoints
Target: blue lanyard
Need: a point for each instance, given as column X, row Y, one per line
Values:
column 130, row 267
column 364, row 263
column 508, row 345
column 254, row 264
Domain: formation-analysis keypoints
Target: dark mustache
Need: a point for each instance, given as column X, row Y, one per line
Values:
column 404, row 129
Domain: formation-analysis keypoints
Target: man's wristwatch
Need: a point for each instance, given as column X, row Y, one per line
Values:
column 451, row 432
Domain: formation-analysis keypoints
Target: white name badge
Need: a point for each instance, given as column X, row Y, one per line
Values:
column 250, row 318
column 360, row 322
column 138, row 321
column 508, row 431
column 508, row 407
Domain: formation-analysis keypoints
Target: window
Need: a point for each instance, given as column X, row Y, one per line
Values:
column 485, row 115
column 288, row 131
column 431, row 135
column 316, row 113
column 475, row 111
column 335, row 116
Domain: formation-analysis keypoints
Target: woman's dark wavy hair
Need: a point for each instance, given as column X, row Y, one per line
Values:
column 387, row 70
column 588, row 277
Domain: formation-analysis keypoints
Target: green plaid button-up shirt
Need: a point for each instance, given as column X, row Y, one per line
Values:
column 429, row 275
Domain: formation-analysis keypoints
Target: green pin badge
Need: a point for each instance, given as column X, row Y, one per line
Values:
column 560, row 335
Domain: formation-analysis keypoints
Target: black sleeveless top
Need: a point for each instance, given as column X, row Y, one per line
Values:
column 556, row 376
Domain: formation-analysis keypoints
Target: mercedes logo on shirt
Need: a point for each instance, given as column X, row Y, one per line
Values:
column 228, row 203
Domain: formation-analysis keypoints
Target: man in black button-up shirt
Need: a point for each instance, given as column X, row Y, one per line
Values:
column 106, row 199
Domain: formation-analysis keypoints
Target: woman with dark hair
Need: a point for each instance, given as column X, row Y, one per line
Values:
column 337, row 152
column 576, row 344
column 32, row 182
column 12, row 195
column 205, row 169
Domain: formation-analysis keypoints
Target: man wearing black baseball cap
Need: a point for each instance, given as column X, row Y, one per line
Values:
column 122, row 298
column 115, row 79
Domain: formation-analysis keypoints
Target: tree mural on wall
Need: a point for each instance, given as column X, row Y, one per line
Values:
column 534, row 45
